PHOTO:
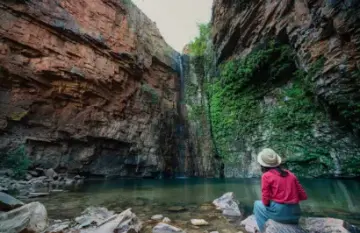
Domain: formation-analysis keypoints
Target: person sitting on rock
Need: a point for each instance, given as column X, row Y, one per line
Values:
column 281, row 192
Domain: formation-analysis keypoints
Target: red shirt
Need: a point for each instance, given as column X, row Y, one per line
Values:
column 284, row 190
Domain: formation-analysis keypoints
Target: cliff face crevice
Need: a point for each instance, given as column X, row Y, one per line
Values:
column 322, row 38
column 85, row 85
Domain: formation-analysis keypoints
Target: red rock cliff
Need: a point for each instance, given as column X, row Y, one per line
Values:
column 89, row 86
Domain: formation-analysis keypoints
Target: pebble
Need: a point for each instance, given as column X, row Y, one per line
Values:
column 166, row 220
column 199, row 222
column 157, row 217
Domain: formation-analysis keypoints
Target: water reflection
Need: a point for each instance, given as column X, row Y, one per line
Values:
column 333, row 198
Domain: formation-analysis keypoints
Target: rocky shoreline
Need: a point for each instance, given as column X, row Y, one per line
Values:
column 15, row 216
column 38, row 182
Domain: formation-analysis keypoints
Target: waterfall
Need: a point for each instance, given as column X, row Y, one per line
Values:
column 337, row 166
column 181, row 125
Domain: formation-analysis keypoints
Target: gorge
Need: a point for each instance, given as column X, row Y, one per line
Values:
column 94, row 89
column 98, row 111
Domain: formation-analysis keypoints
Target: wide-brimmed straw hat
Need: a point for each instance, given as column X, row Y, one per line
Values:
column 268, row 158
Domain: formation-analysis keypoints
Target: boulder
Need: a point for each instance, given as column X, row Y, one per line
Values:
column 275, row 227
column 50, row 173
column 228, row 204
column 308, row 225
column 166, row 228
column 100, row 220
column 31, row 217
column 327, row 225
column 93, row 216
column 8, row 202
column 249, row 224
column 128, row 223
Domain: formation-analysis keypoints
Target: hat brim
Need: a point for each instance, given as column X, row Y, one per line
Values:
column 262, row 163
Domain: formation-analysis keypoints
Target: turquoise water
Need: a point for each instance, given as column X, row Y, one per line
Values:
column 185, row 198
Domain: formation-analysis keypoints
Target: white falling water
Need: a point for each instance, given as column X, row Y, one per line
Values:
column 336, row 162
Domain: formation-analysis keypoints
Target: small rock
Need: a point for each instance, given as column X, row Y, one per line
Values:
column 77, row 177
column 32, row 195
column 157, row 217
column 50, row 173
column 166, row 228
column 57, row 191
column 28, row 177
column 40, row 171
column 69, row 182
column 215, row 232
column 166, row 220
column 33, row 173
column 6, row 172
column 206, row 207
column 199, row 222
column 176, row 209
column 59, row 226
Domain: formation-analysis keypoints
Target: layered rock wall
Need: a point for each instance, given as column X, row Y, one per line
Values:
column 88, row 86
column 317, row 31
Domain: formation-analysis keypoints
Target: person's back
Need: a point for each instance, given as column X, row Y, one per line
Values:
column 281, row 189
column 281, row 192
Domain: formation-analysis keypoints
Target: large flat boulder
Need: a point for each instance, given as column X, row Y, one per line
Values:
column 327, row 225
column 8, row 202
column 275, row 227
column 31, row 217
column 306, row 225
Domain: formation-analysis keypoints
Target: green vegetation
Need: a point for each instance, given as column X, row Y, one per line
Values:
column 236, row 96
column 263, row 99
column 198, row 46
column 17, row 161
column 127, row 2
column 151, row 92
column 196, row 89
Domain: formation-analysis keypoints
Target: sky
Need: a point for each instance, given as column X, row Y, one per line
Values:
column 177, row 19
